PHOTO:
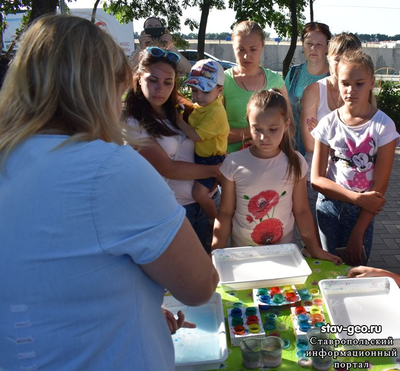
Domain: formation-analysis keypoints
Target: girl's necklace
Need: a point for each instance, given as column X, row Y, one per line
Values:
column 362, row 118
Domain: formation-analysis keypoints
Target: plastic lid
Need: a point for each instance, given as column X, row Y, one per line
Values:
column 286, row 343
column 278, row 298
column 304, row 326
column 304, row 362
column 238, row 304
column 271, row 317
column 314, row 292
column 236, row 312
column 251, row 311
column 302, row 318
column 269, row 326
column 262, row 291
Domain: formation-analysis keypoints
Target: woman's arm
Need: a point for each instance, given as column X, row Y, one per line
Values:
column 306, row 225
column 309, row 107
column 371, row 201
column 239, row 135
column 179, row 170
column 361, row 271
column 185, row 269
column 188, row 130
column 382, row 170
column 223, row 221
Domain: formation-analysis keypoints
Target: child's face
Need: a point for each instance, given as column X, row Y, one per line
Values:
column 203, row 98
column 267, row 129
column 333, row 61
column 355, row 83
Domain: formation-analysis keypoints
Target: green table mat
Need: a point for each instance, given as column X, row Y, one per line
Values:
column 320, row 270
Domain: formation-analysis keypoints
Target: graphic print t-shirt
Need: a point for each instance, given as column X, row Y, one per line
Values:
column 353, row 149
column 263, row 214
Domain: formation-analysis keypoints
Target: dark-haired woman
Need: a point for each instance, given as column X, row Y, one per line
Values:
column 151, row 107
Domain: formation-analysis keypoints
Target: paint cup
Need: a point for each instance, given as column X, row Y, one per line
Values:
column 251, row 353
column 321, row 362
column 272, row 351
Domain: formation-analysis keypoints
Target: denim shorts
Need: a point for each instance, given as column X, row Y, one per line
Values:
column 212, row 160
column 200, row 223
column 336, row 220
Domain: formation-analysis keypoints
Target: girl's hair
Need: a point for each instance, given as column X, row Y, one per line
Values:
column 138, row 106
column 318, row 27
column 273, row 98
column 358, row 57
column 64, row 79
column 245, row 28
column 342, row 42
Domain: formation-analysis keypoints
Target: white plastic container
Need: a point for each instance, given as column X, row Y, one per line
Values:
column 252, row 267
column 204, row 347
column 364, row 302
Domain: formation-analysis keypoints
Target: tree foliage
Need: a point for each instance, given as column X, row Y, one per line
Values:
column 125, row 11
column 389, row 101
column 205, row 7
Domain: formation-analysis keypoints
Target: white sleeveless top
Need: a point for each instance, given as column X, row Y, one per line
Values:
column 323, row 110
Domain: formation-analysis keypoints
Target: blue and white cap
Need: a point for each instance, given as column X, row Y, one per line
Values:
column 205, row 75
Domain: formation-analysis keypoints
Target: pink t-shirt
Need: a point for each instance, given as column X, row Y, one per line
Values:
column 263, row 214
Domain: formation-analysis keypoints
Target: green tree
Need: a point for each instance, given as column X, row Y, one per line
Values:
column 205, row 7
column 11, row 7
column 285, row 16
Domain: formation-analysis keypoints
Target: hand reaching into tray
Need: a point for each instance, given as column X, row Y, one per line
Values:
column 362, row 271
column 175, row 324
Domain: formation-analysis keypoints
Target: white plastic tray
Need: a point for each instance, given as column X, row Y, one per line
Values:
column 204, row 347
column 364, row 301
column 252, row 267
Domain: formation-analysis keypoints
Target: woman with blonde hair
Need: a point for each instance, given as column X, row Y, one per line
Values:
column 321, row 98
column 246, row 78
column 92, row 235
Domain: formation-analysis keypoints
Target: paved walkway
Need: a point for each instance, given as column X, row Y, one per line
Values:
column 386, row 244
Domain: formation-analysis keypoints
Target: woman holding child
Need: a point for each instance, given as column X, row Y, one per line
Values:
column 151, row 107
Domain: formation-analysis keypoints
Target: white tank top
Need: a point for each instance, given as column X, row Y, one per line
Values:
column 323, row 110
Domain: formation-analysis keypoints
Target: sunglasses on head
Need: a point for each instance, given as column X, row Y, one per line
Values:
column 318, row 24
column 161, row 53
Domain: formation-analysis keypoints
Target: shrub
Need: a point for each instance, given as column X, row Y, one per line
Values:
column 389, row 101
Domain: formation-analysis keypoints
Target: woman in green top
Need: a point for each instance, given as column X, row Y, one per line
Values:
column 247, row 77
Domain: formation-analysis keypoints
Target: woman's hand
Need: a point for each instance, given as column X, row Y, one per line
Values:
column 144, row 40
column 166, row 39
column 312, row 123
column 361, row 271
column 175, row 324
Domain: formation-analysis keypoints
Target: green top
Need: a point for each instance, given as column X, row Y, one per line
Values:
column 236, row 100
